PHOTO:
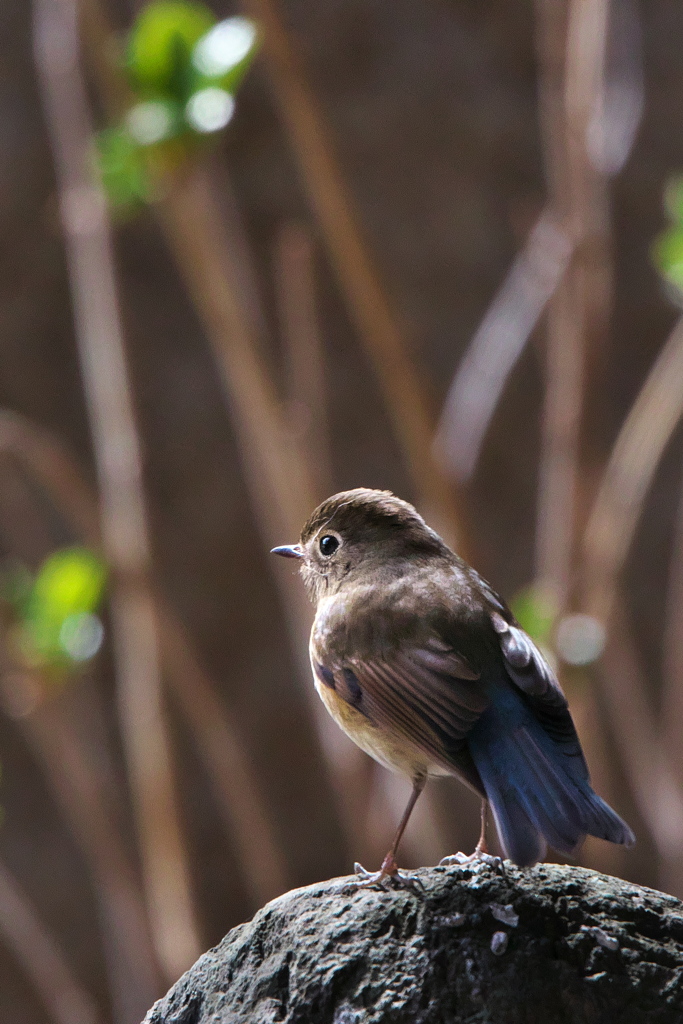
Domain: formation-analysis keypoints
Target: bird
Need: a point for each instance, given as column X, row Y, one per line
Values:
column 424, row 666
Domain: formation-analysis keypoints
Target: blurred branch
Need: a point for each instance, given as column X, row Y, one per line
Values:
column 47, row 461
column 671, row 714
column 209, row 249
column 609, row 534
column 672, row 696
column 578, row 312
column 101, row 350
column 559, row 459
column 369, row 307
column 71, row 771
column 105, row 54
column 207, row 253
column 617, row 105
column 589, row 60
column 498, row 344
column 282, row 489
column 48, row 714
column 41, row 958
column 613, row 109
column 229, row 768
column 306, row 392
column 217, row 741
column 636, row 454
column 569, row 78
column 653, row 783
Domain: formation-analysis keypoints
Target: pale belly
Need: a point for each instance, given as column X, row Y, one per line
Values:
column 391, row 749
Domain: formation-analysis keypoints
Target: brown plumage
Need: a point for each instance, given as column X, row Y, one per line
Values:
column 425, row 668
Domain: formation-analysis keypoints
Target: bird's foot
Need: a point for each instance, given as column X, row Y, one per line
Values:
column 481, row 855
column 389, row 875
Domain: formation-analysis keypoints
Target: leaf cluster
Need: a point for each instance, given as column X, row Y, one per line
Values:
column 55, row 627
column 184, row 68
column 667, row 250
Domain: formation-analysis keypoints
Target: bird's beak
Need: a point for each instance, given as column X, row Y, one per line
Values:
column 288, row 551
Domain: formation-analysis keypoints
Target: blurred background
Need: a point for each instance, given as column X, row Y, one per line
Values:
column 253, row 255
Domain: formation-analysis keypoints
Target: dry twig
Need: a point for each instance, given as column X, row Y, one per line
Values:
column 306, row 392
column 612, row 107
column 672, row 696
column 609, row 534
column 70, row 767
column 368, row 304
column 216, row 736
column 636, row 454
column 571, row 82
column 279, row 479
column 653, row 781
column 100, row 345
column 499, row 341
column 209, row 250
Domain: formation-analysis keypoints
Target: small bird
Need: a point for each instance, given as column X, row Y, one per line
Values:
column 424, row 666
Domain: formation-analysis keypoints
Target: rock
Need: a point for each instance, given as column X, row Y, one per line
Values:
column 587, row 949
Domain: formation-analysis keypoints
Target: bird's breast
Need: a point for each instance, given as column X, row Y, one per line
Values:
column 387, row 746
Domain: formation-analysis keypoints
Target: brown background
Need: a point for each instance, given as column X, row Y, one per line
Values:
column 432, row 106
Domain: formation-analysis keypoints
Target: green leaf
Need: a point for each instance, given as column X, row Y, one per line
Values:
column 220, row 60
column 223, row 55
column 70, row 580
column 123, row 169
column 185, row 69
column 161, row 44
column 667, row 254
column 59, row 625
column 152, row 122
column 535, row 608
column 673, row 199
column 208, row 110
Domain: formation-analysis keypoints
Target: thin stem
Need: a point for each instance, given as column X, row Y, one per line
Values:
column 498, row 343
column 609, row 535
column 559, row 458
column 71, row 771
column 117, row 451
column 209, row 250
column 216, row 736
column 613, row 519
column 672, row 696
column 604, row 94
column 653, row 782
column 571, row 86
column 281, row 485
column 369, row 307
column 229, row 767
column 203, row 245
column 306, row 392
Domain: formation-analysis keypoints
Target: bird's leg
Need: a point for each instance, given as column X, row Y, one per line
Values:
column 481, row 850
column 482, row 845
column 389, row 869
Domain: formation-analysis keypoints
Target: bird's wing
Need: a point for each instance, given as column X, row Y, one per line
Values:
column 430, row 694
column 530, row 672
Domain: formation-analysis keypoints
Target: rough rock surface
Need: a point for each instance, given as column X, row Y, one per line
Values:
column 550, row 945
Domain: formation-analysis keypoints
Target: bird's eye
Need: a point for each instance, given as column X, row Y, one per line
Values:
column 328, row 545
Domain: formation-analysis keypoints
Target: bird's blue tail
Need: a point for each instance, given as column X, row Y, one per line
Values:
column 539, row 793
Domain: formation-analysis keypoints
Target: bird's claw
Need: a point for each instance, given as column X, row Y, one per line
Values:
column 459, row 858
column 389, row 875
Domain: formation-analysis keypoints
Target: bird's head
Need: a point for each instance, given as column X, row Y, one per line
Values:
column 359, row 535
